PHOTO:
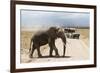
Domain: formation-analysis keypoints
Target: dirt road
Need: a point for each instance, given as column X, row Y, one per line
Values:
column 76, row 49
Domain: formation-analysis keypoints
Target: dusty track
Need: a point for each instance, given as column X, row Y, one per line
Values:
column 76, row 49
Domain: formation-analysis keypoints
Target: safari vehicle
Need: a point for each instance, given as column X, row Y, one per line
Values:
column 71, row 33
column 75, row 35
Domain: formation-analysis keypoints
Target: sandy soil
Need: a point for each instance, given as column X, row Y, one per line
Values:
column 76, row 49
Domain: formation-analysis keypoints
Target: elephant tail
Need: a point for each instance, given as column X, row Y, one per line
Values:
column 30, row 46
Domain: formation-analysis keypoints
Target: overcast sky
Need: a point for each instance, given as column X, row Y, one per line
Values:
column 33, row 18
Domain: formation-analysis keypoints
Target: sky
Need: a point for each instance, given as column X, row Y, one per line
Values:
column 31, row 18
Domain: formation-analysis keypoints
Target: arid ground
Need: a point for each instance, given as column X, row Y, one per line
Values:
column 76, row 49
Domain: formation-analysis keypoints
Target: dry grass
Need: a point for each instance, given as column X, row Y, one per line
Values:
column 25, row 39
column 84, row 35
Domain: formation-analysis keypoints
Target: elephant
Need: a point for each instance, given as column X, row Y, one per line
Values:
column 47, row 37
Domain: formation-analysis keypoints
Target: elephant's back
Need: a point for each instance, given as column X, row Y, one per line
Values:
column 41, row 38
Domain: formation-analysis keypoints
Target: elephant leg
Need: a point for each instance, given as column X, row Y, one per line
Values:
column 51, row 50
column 56, row 51
column 53, row 47
column 39, row 53
column 31, row 53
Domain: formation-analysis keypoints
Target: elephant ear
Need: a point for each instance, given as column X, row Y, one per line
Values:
column 60, row 30
column 52, row 32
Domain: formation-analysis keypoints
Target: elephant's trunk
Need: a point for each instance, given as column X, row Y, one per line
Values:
column 64, row 42
column 63, row 37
